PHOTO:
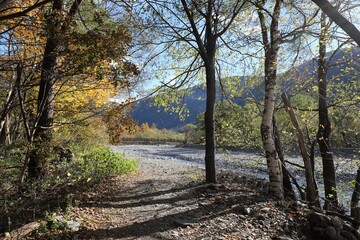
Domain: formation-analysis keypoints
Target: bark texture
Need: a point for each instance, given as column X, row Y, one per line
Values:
column 42, row 136
column 271, row 48
column 209, row 60
column 210, row 121
column 312, row 195
column 324, row 128
column 288, row 189
column 45, row 113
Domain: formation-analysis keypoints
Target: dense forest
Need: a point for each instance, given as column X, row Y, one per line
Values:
column 77, row 76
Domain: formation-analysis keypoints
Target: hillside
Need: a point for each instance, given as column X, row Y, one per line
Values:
column 344, row 67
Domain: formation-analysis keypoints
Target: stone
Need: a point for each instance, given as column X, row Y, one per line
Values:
column 319, row 230
column 348, row 235
column 260, row 217
column 330, row 231
column 246, row 211
column 337, row 222
column 348, row 227
column 23, row 231
column 318, row 219
column 339, row 237
column 357, row 233
column 261, row 222
column 60, row 219
column 242, row 217
column 281, row 238
column 265, row 209
column 73, row 225
column 6, row 236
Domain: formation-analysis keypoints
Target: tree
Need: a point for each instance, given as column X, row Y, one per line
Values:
column 45, row 101
column 84, row 66
column 340, row 20
column 271, row 48
column 324, row 128
column 312, row 195
column 7, row 9
column 201, row 28
column 119, row 122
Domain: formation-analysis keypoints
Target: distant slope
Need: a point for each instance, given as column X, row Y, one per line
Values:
column 304, row 74
column 145, row 112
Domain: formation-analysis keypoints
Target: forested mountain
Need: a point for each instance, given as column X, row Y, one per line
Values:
column 343, row 67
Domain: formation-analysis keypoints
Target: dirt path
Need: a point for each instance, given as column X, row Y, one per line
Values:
column 167, row 199
column 142, row 205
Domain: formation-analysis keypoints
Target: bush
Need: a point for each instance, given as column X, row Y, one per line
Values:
column 58, row 190
column 102, row 162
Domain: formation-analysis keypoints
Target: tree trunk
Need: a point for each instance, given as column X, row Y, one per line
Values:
column 355, row 207
column 324, row 128
column 312, row 195
column 288, row 189
column 271, row 48
column 45, row 113
column 210, row 111
column 5, row 137
column 206, row 40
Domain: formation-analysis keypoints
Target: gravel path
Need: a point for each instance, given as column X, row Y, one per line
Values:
column 167, row 199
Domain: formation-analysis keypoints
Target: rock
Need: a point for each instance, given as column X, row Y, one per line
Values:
column 6, row 236
column 318, row 219
column 348, row 227
column 260, row 184
column 357, row 233
column 337, row 222
column 73, row 225
column 265, row 209
column 261, row 217
column 183, row 223
column 246, row 211
column 281, row 238
column 301, row 204
column 348, row 235
column 23, row 231
column 286, row 228
column 319, row 230
column 242, row 217
column 261, row 222
column 60, row 219
column 330, row 231
column 339, row 237
column 202, row 204
column 232, row 215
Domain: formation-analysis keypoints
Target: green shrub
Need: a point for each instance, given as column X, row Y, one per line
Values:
column 102, row 162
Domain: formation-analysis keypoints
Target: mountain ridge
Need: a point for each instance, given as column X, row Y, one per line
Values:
column 144, row 111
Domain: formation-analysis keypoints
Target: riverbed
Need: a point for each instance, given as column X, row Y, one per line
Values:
column 251, row 163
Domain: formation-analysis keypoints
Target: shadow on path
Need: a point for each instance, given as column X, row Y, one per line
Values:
column 163, row 209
